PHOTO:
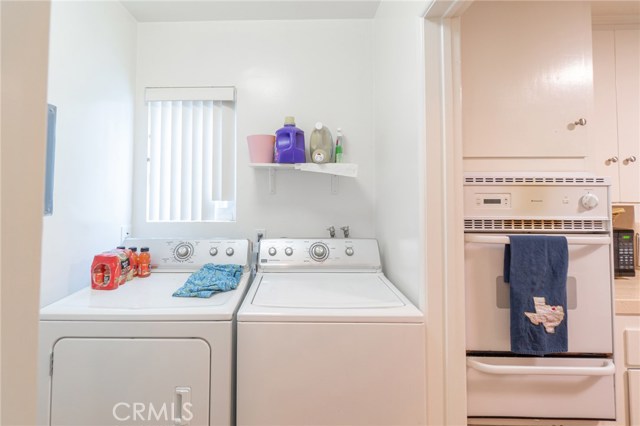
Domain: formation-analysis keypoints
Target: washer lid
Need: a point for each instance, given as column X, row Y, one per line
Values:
column 325, row 291
column 146, row 299
column 339, row 297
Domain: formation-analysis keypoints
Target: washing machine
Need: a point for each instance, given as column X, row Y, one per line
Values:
column 324, row 338
column 138, row 356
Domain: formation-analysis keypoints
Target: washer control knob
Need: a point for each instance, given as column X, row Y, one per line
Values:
column 589, row 201
column 213, row 251
column 288, row 251
column 229, row 251
column 272, row 251
column 319, row 251
column 349, row 251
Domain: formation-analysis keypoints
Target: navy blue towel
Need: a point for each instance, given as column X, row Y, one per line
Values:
column 535, row 266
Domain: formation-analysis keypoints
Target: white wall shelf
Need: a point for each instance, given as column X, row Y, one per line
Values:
column 333, row 169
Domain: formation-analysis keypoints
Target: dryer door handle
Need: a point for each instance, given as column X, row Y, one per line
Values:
column 182, row 406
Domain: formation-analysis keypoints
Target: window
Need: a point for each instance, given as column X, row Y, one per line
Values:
column 191, row 154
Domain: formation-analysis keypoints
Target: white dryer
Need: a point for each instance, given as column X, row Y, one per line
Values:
column 137, row 355
column 324, row 338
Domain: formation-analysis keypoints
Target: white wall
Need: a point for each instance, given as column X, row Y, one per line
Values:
column 400, row 144
column 25, row 27
column 315, row 70
column 91, row 81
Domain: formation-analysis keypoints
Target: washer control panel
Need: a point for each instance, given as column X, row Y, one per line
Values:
column 337, row 253
column 191, row 254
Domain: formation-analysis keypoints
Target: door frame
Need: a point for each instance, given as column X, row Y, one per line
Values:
column 444, row 237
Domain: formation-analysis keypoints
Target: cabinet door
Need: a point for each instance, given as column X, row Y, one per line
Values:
column 526, row 78
column 130, row 381
column 627, row 52
column 633, row 376
column 604, row 126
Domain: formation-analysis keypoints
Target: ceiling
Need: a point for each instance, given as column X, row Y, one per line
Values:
column 603, row 11
column 226, row 10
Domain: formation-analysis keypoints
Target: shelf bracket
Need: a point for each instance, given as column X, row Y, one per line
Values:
column 335, row 184
column 272, row 181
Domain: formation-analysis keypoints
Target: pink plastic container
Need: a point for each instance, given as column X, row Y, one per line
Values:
column 261, row 148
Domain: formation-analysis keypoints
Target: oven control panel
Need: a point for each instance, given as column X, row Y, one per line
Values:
column 536, row 202
column 192, row 254
column 321, row 254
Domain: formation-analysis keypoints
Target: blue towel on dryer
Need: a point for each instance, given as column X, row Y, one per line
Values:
column 211, row 279
column 535, row 266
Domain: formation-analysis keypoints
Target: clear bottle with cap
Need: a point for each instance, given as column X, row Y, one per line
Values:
column 321, row 144
column 144, row 263
column 134, row 261
column 339, row 139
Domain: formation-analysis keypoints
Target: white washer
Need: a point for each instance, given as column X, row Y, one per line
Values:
column 325, row 339
column 137, row 355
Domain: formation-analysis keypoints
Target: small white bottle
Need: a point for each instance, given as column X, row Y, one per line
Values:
column 320, row 144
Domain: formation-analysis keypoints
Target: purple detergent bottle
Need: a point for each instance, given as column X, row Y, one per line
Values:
column 289, row 147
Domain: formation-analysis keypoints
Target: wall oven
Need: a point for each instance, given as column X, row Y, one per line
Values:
column 578, row 383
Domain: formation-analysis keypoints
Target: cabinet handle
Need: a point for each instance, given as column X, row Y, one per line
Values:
column 613, row 159
column 631, row 159
column 581, row 122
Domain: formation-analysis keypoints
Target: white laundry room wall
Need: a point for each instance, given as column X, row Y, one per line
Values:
column 400, row 145
column 315, row 70
column 91, row 81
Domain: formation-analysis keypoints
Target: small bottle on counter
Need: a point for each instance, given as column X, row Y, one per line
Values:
column 134, row 261
column 128, row 271
column 125, row 264
column 144, row 262
column 339, row 146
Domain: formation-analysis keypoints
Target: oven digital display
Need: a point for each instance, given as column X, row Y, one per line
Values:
column 492, row 201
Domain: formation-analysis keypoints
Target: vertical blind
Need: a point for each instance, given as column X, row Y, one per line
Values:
column 191, row 157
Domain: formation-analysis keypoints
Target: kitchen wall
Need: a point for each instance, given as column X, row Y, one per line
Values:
column 91, row 81
column 315, row 70
column 400, row 144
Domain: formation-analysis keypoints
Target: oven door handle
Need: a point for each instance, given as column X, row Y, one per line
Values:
column 606, row 369
column 504, row 239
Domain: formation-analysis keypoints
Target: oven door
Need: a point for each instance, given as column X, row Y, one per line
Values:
column 589, row 284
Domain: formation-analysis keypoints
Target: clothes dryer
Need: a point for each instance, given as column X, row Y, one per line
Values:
column 137, row 355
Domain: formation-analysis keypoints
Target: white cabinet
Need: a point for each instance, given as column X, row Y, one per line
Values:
column 526, row 79
column 627, row 360
column 616, row 124
column 633, row 374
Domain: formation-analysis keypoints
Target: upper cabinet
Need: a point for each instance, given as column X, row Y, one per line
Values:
column 616, row 73
column 527, row 87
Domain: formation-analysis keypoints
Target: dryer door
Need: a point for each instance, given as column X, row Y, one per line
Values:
column 130, row 381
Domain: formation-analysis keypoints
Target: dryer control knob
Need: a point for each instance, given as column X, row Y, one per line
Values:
column 272, row 251
column 349, row 251
column 229, row 251
column 288, row 251
column 183, row 251
column 589, row 201
column 213, row 251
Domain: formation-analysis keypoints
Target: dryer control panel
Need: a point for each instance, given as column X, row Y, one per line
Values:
column 168, row 254
column 321, row 254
